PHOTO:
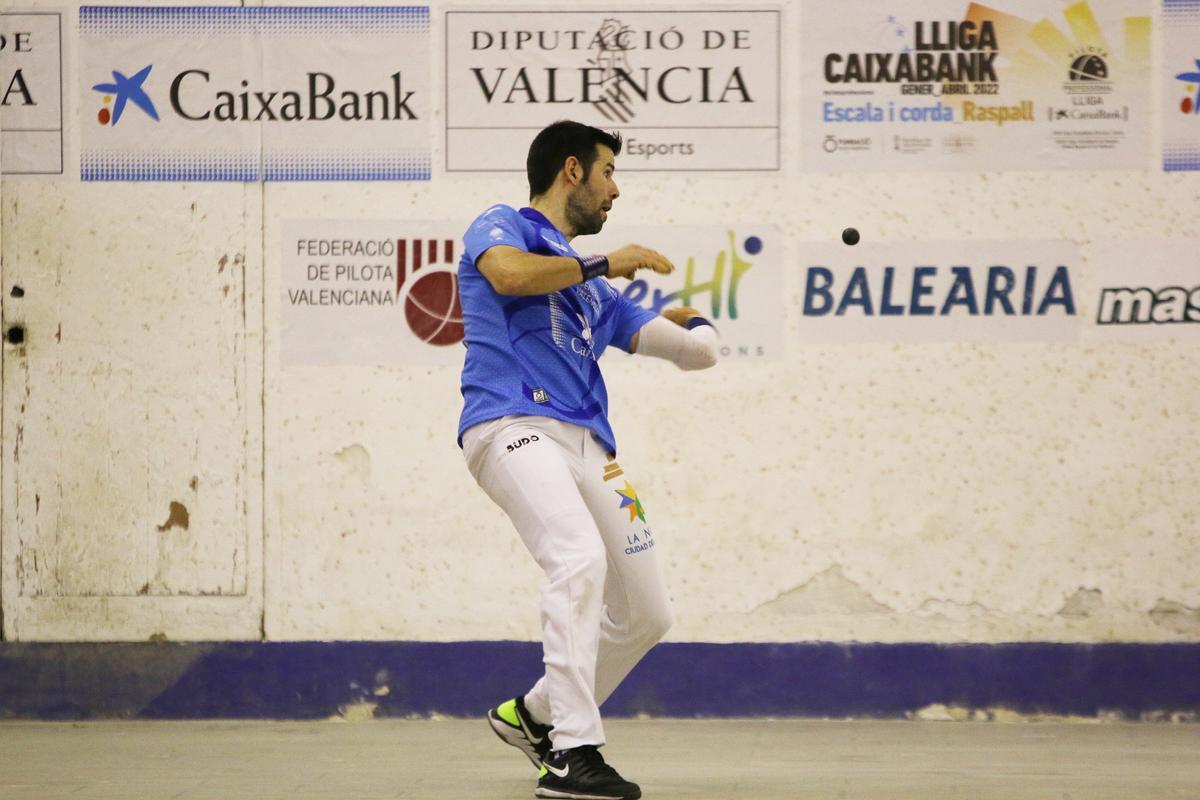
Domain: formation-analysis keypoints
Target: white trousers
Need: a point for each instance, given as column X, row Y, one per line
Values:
column 604, row 603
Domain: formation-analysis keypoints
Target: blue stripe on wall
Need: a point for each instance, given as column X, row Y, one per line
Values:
column 314, row 680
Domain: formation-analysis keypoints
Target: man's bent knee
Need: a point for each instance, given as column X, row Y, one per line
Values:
column 654, row 623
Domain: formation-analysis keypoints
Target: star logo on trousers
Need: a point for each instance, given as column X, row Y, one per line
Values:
column 629, row 499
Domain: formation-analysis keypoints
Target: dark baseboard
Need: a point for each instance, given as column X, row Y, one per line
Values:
column 314, row 680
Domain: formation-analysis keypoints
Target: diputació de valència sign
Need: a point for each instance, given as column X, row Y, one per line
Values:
column 690, row 90
column 254, row 93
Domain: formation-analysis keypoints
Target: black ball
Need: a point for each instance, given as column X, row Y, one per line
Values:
column 850, row 236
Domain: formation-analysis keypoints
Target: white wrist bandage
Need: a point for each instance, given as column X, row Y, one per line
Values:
column 687, row 349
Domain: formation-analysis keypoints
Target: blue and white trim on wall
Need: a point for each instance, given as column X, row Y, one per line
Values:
column 316, row 680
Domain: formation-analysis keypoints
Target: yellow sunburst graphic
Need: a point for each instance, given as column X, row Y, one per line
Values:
column 1039, row 51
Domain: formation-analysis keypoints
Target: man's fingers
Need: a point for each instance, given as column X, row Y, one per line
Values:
column 659, row 263
column 641, row 258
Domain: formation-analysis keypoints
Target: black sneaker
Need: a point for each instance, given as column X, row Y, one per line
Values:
column 581, row 774
column 512, row 723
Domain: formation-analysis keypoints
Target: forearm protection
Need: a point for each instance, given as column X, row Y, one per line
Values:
column 689, row 349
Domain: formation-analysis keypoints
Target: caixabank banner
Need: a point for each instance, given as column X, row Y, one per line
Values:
column 1181, row 85
column 277, row 93
column 692, row 89
column 946, row 84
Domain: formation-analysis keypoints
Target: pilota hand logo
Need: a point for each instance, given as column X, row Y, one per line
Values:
column 126, row 90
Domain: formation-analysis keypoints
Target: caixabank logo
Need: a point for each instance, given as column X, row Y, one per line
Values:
column 193, row 97
column 254, row 93
column 121, row 91
column 1180, row 148
column 1189, row 103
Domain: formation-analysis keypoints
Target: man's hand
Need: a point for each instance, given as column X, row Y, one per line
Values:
column 623, row 263
column 680, row 315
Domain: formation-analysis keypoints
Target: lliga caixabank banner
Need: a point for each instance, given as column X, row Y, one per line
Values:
column 232, row 93
column 943, row 84
column 1181, row 89
column 692, row 89
column 379, row 293
column 963, row 291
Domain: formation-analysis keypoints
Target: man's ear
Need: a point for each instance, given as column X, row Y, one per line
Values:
column 573, row 170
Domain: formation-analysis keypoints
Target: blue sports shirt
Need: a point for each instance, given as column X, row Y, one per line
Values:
column 537, row 355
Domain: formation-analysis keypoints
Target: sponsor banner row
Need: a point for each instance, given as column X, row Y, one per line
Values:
column 378, row 293
column 345, row 92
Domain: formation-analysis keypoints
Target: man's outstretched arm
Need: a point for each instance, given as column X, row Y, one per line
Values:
column 516, row 273
column 681, row 336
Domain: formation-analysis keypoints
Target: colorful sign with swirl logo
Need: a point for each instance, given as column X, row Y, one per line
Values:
column 733, row 274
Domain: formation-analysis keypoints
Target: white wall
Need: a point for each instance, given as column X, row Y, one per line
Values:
column 872, row 492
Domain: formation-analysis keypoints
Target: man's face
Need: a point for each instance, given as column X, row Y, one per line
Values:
column 590, row 200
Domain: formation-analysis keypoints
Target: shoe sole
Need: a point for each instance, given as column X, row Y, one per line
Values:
column 561, row 795
column 514, row 737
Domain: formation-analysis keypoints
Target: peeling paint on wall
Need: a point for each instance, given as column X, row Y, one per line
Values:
column 1177, row 617
column 178, row 517
column 1083, row 603
column 826, row 592
column 357, row 460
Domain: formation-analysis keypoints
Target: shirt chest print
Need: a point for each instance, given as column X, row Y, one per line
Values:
column 563, row 332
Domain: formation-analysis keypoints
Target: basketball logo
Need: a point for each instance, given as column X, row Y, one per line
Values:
column 429, row 290
column 432, row 308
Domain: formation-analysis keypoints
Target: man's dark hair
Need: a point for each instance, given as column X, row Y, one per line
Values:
column 558, row 141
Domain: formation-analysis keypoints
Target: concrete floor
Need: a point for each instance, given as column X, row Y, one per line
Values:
column 680, row 760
